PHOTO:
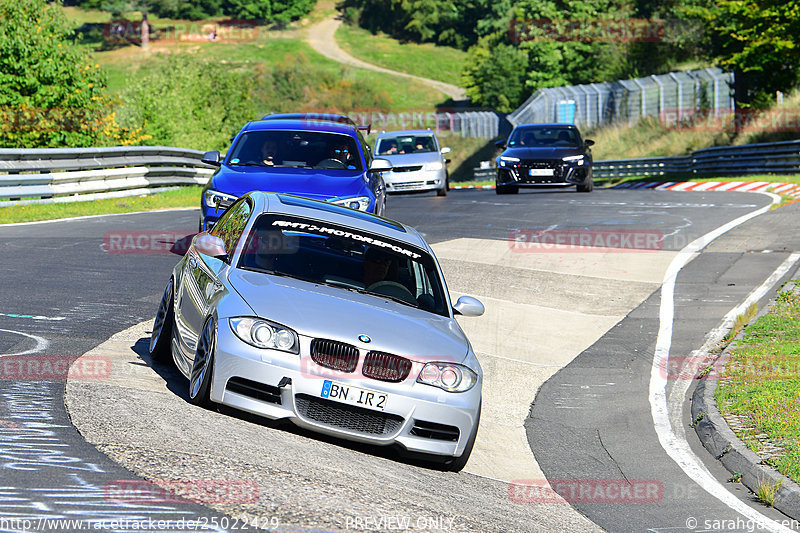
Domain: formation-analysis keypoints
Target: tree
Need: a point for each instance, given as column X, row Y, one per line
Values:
column 494, row 76
column 51, row 94
column 757, row 39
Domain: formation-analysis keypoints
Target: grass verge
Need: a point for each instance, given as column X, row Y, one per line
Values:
column 759, row 388
column 180, row 197
column 441, row 63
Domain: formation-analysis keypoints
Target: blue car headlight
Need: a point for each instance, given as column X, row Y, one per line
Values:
column 505, row 161
column 360, row 203
column 448, row 376
column 218, row 200
column 264, row 334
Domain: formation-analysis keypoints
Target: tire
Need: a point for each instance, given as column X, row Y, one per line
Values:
column 587, row 185
column 444, row 189
column 203, row 366
column 458, row 463
column 160, row 348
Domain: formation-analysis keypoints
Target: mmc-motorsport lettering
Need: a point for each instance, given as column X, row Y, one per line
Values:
column 324, row 230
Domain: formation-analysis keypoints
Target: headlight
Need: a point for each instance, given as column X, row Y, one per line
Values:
column 573, row 159
column 360, row 203
column 263, row 334
column 218, row 199
column 448, row 376
column 437, row 165
column 505, row 160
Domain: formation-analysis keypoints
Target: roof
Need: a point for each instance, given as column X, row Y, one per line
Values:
column 340, row 215
column 324, row 117
column 301, row 125
column 549, row 125
column 405, row 132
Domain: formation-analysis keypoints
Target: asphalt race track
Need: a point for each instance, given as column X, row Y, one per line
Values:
column 66, row 291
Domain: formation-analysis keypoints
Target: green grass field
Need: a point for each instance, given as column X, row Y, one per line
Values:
column 180, row 197
column 264, row 48
column 759, row 389
column 441, row 63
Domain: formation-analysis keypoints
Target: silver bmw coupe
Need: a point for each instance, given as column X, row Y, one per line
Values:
column 334, row 318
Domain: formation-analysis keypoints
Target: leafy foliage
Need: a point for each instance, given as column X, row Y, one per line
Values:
column 51, row 94
column 281, row 11
column 182, row 100
column 758, row 40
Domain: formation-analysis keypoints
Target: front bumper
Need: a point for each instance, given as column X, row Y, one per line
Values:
column 248, row 378
column 414, row 180
column 545, row 172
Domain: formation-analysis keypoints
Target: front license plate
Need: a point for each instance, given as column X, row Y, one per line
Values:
column 351, row 395
column 540, row 172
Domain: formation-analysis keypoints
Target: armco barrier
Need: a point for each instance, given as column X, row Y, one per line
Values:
column 73, row 174
column 763, row 158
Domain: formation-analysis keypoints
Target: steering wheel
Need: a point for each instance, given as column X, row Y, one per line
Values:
column 393, row 289
column 332, row 164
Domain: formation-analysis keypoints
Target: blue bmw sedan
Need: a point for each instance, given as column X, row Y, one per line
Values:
column 311, row 157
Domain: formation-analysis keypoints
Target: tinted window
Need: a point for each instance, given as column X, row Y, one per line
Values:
column 406, row 144
column 329, row 254
column 544, row 136
column 296, row 149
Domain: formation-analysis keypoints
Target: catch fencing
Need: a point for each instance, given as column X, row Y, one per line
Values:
column 45, row 175
column 671, row 97
column 479, row 124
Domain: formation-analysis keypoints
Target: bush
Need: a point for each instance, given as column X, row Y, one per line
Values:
column 51, row 94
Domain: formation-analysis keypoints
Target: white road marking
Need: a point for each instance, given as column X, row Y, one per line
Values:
column 41, row 343
column 678, row 449
column 86, row 217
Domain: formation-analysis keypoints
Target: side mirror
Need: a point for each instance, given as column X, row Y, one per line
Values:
column 445, row 150
column 210, row 245
column 469, row 306
column 379, row 165
column 588, row 142
column 211, row 158
column 500, row 144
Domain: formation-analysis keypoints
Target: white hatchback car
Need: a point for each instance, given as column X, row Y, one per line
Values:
column 418, row 162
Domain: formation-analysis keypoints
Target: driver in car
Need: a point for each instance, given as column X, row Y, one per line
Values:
column 375, row 266
column 269, row 152
column 340, row 152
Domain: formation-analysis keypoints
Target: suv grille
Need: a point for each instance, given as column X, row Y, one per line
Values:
column 386, row 367
column 335, row 355
column 346, row 416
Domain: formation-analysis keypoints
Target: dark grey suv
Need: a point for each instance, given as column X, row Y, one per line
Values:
column 544, row 154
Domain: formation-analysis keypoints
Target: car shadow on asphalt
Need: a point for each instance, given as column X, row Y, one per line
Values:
column 178, row 385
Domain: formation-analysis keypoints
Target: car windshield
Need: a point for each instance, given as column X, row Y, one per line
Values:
column 406, row 144
column 276, row 148
column 544, row 136
column 329, row 254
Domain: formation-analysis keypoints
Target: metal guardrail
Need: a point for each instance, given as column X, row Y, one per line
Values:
column 762, row 158
column 73, row 174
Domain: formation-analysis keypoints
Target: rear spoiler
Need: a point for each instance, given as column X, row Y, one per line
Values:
column 366, row 128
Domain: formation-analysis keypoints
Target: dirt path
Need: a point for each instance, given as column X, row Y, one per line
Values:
column 321, row 37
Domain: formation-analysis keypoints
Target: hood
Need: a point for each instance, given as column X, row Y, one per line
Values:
column 407, row 160
column 338, row 314
column 541, row 152
column 307, row 182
